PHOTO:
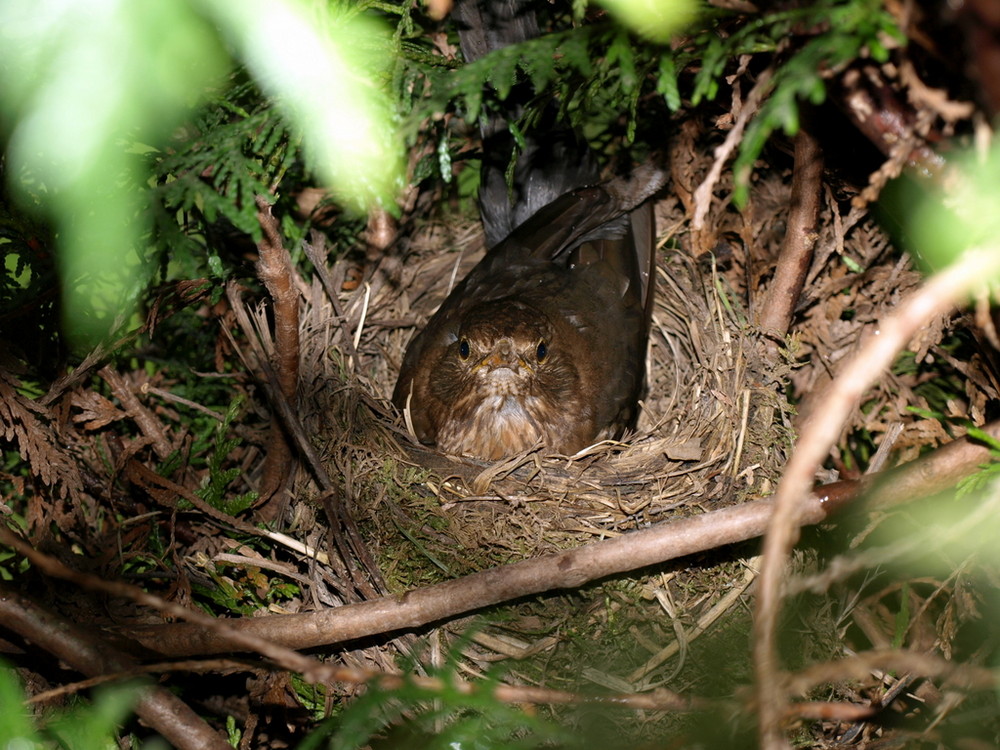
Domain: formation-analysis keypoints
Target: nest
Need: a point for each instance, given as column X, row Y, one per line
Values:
column 707, row 432
column 715, row 426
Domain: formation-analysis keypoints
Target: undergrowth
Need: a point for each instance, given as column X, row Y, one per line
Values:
column 197, row 194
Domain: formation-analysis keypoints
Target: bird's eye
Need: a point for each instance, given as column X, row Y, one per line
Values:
column 463, row 349
column 541, row 351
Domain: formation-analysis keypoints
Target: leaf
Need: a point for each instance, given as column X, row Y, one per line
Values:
column 666, row 82
column 620, row 55
column 503, row 70
column 16, row 729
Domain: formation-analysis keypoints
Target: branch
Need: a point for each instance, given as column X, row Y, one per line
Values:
column 262, row 369
column 800, row 237
column 703, row 194
column 563, row 570
column 156, row 706
column 48, row 565
column 891, row 126
column 926, row 476
column 940, row 294
column 148, row 424
column 275, row 269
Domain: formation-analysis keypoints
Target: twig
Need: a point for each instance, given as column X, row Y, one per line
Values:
column 166, row 712
column 720, row 608
column 217, row 666
column 50, row 566
column 703, row 194
column 563, row 570
column 800, row 237
column 314, row 251
column 82, row 371
column 821, row 430
column 268, row 378
column 860, row 666
column 146, row 388
column 275, row 269
column 666, row 541
column 70, row 643
column 879, row 115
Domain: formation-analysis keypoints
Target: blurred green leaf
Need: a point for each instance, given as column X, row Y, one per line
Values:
column 90, row 88
column 93, row 727
column 657, row 20
column 320, row 62
column 16, row 730
column 944, row 226
column 82, row 84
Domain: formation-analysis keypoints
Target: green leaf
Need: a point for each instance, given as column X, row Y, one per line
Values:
column 16, row 729
column 654, row 19
column 502, row 73
column 986, row 438
column 93, row 727
column 902, row 622
column 81, row 82
column 322, row 69
column 666, row 82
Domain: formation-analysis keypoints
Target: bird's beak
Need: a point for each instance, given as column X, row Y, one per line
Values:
column 504, row 355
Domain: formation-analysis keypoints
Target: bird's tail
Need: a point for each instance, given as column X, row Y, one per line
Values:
column 553, row 161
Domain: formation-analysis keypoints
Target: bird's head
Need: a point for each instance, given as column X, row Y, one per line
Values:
column 502, row 382
column 501, row 349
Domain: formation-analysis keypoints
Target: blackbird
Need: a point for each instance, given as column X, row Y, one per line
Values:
column 545, row 340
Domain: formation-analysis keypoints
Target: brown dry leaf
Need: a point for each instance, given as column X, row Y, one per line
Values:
column 94, row 410
column 28, row 427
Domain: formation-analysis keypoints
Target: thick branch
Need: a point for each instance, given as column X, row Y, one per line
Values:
column 800, row 237
column 821, row 430
column 563, row 570
column 932, row 473
column 275, row 269
column 156, row 706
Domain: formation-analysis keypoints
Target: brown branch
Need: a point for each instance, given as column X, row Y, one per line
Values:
column 274, row 267
column 310, row 668
column 936, row 472
column 820, row 431
column 14, row 610
column 217, row 666
column 60, row 638
column 703, row 194
column 876, row 111
column 156, row 706
column 800, row 237
column 564, row 570
column 860, row 666
column 980, row 20
column 268, row 377
column 166, row 493
column 823, row 711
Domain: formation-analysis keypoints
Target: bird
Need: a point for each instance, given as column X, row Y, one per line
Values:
column 544, row 342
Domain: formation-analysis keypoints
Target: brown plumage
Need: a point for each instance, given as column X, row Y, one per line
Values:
column 545, row 339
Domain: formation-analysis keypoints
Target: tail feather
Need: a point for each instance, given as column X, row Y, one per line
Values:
column 553, row 161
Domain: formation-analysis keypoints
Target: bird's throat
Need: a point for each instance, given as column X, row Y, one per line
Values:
column 502, row 425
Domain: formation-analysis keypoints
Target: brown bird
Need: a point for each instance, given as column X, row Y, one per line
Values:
column 545, row 340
